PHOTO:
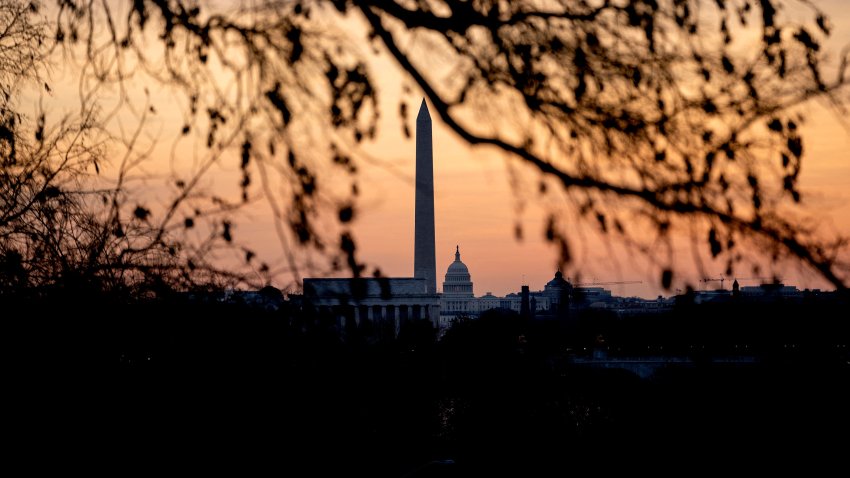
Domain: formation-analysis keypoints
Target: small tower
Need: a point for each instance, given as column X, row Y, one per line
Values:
column 524, row 309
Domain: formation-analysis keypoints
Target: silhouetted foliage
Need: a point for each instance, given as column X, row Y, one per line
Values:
column 64, row 227
column 196, row 374
column 654, row 117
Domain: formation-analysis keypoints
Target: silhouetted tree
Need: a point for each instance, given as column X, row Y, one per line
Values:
column 645, row 117
column 64, row 226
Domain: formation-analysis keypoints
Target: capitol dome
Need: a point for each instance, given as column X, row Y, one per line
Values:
column 458, row 282
column 458, row 267
column 558, row 289
column 558, row 282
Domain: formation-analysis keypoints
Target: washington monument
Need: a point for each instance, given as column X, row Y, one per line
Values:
column 424, row 254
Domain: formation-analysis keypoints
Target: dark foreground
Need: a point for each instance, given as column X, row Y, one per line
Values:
column 191, row 388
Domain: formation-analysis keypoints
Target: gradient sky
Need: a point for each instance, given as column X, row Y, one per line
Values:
column 476, row 208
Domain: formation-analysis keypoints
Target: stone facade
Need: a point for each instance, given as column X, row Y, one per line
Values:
column 388, row 301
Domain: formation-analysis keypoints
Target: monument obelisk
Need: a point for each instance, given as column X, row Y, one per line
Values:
column 424, row 252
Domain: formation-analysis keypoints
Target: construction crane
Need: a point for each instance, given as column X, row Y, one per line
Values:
column 710, row 279
column 584, row 284
column 765, row 280
column 721, row 279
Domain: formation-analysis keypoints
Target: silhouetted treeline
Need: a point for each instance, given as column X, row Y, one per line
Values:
column 770, row 330
column 205, row 384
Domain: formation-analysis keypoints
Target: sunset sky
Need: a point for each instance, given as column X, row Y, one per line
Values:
column 476, row 207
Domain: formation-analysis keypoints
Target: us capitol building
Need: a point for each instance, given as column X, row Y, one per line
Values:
column 458, row 298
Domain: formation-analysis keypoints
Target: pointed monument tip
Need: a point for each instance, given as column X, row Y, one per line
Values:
column 423, row 110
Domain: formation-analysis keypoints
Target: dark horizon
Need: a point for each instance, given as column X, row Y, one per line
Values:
column 547, row 394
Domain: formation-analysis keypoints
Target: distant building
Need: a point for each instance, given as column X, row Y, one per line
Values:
column 458, row 296
column 557, row 291
column 388, row 301
column 771, row 291
column 458, row 283
column 768, row 292
column 554, row 301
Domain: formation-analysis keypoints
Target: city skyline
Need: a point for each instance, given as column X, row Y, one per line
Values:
column 475, row 204
column 426, row 238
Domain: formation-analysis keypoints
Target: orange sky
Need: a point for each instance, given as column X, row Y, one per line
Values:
column 475, row 206
column 476, row 209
